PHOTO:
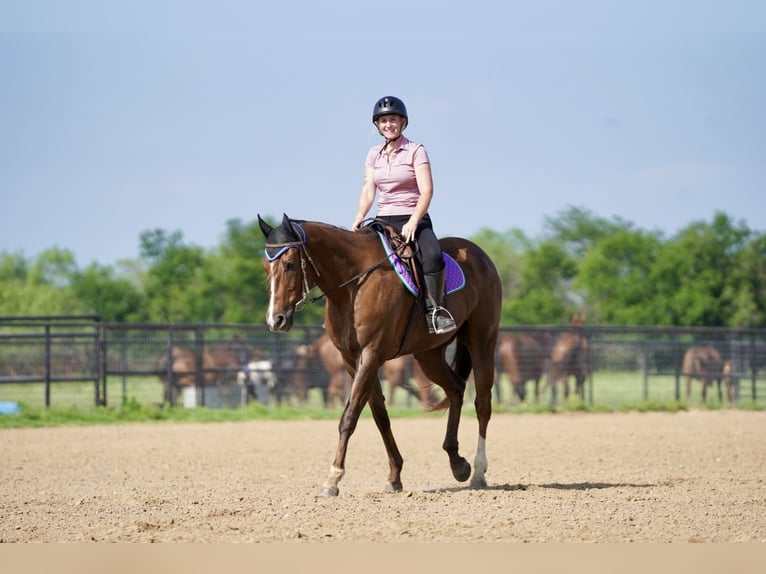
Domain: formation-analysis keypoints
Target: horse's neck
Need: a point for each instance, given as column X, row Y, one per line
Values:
column 339, row 254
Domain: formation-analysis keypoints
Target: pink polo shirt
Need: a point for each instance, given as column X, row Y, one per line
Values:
column 398, row 191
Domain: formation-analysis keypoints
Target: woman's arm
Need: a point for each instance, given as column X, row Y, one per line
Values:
column 366, row 198
column 426, row 188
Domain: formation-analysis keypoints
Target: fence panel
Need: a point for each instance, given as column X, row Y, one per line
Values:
column 80, row 361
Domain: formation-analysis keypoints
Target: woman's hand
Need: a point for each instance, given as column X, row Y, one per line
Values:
column 408, row 231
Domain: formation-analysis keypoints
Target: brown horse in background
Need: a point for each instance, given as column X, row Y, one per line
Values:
column 524, row 357
column 704, row 364
column 368, row 314
column 331, row 360
column 570, row 356
column 219, row 363
column 731, row 381
column 399, row 371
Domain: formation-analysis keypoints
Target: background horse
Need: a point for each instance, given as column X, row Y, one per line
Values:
column 731, row 380
column 219, row 363
column 323, row 351
column 399, row 372
column 371, row 317
column 704, row 364
column 570, row 356
column 524, row 357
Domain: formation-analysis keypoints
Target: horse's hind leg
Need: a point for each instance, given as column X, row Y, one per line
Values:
column 383, row 422
column 436, row 368
column 484, row 378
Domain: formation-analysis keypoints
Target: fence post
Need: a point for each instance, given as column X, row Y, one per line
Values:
column 678, row 366
column 170, row 385
column 645, row 369
column 95, row 366
column 47, row 365
column 199, row 374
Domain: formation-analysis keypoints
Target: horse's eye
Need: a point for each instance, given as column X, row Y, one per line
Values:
column 289, row 266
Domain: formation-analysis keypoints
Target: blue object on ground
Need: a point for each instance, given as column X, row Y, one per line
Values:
column 9, row 408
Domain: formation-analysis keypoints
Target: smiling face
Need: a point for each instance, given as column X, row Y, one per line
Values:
column 391, row 126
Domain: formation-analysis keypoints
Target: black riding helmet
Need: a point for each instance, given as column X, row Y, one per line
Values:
column 390, row 105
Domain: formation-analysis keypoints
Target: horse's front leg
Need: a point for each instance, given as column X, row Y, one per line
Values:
column 360, row 391
column 383, row 422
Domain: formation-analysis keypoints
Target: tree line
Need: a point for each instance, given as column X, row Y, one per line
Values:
column 710, row 273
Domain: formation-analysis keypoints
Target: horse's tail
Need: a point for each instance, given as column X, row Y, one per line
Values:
column 462, row 365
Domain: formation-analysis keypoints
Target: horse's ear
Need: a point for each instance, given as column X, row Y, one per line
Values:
column 287, row 225
column 265, row 227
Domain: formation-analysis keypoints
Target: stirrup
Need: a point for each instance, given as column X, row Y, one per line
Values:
column 440, row 321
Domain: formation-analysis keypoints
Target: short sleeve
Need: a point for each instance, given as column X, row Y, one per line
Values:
column 420, row 156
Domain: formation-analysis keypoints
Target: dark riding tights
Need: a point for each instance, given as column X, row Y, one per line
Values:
column 429, row 251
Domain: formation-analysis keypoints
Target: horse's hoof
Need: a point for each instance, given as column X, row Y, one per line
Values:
column 329, row 491
column 478, row 482
column 462, row 470
column 395, row 487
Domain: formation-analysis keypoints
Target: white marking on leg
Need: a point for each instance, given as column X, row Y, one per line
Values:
column 480, row 465
column 335, row 475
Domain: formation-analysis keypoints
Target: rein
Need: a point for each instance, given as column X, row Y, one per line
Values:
column 301, row 246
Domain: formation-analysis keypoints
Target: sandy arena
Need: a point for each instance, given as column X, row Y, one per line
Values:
column 643, row 477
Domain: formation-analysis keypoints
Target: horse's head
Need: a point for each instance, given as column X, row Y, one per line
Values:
column 287, row 283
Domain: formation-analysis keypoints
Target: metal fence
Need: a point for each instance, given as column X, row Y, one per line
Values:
column 80, row 360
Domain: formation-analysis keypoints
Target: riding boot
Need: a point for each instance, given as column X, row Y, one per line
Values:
column 438, row 319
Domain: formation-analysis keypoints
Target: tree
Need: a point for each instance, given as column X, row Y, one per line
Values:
column 696, row 274
column 174, row 278
column 507, row 251
column 115, row 299
column 615, row 277
column 235, row 279
column 544, row 295
column 579, row 230
column 40, row 286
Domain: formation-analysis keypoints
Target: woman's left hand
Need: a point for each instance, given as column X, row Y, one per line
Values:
column 408, row 231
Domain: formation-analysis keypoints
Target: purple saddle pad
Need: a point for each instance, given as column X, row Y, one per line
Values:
column 454, row 279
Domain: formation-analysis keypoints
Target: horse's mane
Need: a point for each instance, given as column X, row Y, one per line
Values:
column 368, row 228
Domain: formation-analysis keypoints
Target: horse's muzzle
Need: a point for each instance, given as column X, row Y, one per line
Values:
column 281, row 322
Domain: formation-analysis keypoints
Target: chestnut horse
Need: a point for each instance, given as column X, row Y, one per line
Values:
column 328, row 356
column 570, row 356
column 524, row 357
column 368, row 313
column 398, row 372
column 703, row 363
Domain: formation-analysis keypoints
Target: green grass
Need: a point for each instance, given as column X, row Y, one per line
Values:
column 72, row 403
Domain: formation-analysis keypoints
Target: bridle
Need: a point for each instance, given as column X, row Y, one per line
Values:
column 306, row 256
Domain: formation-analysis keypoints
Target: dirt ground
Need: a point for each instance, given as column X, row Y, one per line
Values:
column 646, row 477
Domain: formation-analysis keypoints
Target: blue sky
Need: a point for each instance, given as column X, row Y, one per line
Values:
column 121, row 117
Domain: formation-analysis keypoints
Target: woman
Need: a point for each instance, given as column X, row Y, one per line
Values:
column 401, row 172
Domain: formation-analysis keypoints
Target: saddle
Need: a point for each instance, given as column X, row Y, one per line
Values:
column 407, row 267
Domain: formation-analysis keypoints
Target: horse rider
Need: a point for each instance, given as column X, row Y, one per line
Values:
column 399, row 173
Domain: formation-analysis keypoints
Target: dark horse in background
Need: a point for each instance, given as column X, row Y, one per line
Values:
column 218, row 364
column 367, row 314
column 570, row 356
column 524, row 357
column 703, row 362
